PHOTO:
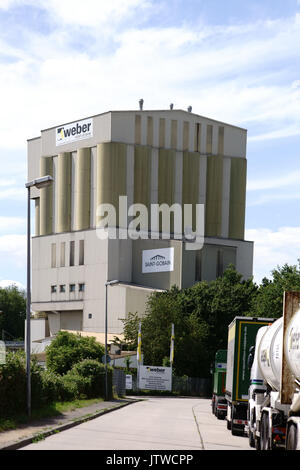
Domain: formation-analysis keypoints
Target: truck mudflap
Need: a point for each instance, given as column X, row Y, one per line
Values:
column 221, row 407
column 279, row 435
column 242, row 422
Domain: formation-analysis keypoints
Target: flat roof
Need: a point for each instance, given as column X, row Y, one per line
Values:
column 139, row 111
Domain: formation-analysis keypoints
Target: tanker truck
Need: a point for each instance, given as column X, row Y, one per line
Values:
column 274, row 398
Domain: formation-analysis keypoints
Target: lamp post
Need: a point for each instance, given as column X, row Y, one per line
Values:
column 108, row 283
column 38, row 183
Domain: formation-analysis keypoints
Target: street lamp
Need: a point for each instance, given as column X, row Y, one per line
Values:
column 38, row 183
column 108, row 283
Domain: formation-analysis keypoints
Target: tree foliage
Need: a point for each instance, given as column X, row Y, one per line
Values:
column 13, row 312
column 269, row 300
column 67, row 349
column 201, row 315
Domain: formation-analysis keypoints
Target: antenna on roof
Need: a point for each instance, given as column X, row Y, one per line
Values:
column 141, row 103
column 190, row 109
column 171, row 106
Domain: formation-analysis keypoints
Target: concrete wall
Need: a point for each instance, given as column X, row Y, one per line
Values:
column 151, row 157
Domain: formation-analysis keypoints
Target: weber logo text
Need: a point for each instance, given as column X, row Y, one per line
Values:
column 75, row 131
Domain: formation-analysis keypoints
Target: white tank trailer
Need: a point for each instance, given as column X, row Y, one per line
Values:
column 274, row 393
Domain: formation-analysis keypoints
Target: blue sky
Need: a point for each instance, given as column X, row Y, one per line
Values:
column 234, row 61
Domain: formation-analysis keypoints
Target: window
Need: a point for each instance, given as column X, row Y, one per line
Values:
column 197, row 145
column 53, row 289
column 63, row 254
column 90, row 316
column 81, row 252
column 221, row 141
column 209, row 139
column 62, row 288
column 81, row 287
column 138, row 129
column 72, row 253
column 162, row 132
column 186, row 135
column 72, row 288
column 53, row 255
column 174, row 134
column 150, row 130
column 198, row 267
column 220, row 263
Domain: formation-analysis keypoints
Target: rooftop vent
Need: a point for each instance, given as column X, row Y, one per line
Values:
column 171, row 106
column 190, row 109
column 141, row 103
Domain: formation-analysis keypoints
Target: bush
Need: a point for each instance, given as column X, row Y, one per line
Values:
column 68, row 349
column 13, row 384
column 94, row 372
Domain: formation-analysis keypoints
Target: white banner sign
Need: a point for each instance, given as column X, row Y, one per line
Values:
column 158, row 261
column 75, row 131
column 155, row 378
column 128, row 382
column 2, row 352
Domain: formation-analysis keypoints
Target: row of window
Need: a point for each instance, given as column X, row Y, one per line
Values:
column 62, row 257
column 62, row 288
column 174, row 134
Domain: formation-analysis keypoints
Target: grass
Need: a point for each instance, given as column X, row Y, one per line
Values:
column 50, row 410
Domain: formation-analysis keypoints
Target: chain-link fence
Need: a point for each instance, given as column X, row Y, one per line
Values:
column 186, row 386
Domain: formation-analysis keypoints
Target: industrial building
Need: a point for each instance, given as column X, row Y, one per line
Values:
column 151, row 157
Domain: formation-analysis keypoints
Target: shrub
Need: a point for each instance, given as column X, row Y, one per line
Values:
column 68, row 349
column 13, row 384
column 93, row 371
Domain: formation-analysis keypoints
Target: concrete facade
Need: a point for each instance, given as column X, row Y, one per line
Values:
column 152, row 157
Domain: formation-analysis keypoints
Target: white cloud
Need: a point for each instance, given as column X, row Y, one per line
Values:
column 12, row 224
column 274, row 182
column 5, row 283
column 273, row 248
column 13, row 251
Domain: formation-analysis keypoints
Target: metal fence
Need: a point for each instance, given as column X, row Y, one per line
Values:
column 186, row 386
column 119, row 382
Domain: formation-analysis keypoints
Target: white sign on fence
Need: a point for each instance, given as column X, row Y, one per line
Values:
column 155, row 378
column 2, row 352
column 128, row 382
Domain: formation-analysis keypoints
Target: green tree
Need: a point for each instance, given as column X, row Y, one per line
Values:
column 269, row 300
column 12, row 312
column 201, row 315
column 67, row 349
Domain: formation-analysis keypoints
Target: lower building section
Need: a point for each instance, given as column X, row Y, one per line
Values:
column 70, row 271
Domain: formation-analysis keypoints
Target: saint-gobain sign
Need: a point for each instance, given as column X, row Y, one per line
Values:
column 155, row 378
column 73, row 132
column 158, row 261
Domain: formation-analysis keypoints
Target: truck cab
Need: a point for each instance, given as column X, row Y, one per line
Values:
column 219, row 403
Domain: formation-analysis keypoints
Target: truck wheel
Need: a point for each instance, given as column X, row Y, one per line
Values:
column 291, row 443
column 264, row 433
column 251, row 434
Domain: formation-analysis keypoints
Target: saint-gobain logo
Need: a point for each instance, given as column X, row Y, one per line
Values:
column 75, row 131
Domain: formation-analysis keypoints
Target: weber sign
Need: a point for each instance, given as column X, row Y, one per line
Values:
column 155, row 378
column 158, row 261
column 74, row 132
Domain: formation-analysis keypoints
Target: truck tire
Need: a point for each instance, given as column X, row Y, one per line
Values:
column 291, row 441
column 264, row 432
column 251, row 435
column 236, row 430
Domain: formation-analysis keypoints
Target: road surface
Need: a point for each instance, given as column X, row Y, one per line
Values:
column 156, row 423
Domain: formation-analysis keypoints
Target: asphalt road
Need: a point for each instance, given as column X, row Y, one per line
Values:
column 156, row 423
